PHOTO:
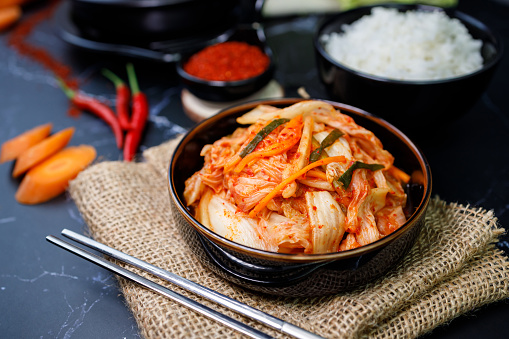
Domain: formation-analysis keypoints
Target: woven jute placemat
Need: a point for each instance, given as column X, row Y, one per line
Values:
column 453, row 268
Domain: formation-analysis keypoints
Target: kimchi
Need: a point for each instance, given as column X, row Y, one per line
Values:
column 301, row 179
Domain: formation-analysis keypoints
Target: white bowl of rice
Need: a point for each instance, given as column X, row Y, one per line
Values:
column 413, row 65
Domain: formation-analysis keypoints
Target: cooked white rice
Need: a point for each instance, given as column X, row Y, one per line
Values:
column 412, row 45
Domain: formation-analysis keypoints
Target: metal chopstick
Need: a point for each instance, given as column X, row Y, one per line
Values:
column 195, row 306
column 191, row 286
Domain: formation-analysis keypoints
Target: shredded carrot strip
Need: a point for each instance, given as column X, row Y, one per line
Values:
column 317, row 174
column 417, row 177
column 272, row 150
column 231, row 163
column 399, row 174
column 288, row 137
column 261, row 205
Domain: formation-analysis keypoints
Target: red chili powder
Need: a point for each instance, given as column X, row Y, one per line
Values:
column 18, row 41
column 228, row 61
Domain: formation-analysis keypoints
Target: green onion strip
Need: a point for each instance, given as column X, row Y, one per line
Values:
column 261, row 135
column 346, row 178
column 334, row 135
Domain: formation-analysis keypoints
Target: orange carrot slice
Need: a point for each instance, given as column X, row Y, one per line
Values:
column 51, row 177
column 12, row 148
column 261, row 205
column 41, row 151
column 9, row 3
column 9, row 15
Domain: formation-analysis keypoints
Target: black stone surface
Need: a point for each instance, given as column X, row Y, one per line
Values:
column 46, row 292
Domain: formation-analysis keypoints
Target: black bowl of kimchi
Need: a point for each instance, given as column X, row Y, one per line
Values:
column 299, row 271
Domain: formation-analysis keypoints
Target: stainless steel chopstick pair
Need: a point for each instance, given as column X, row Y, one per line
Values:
column 191, row 286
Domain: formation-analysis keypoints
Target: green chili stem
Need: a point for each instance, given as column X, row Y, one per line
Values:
column 67, row 90
column 133, row 81
column 113, row 77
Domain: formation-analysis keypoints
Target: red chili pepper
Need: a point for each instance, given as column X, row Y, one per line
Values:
column 123, row 98
column 96, row 107
column 139, row 116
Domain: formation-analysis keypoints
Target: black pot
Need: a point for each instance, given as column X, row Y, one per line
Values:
column 129, row 21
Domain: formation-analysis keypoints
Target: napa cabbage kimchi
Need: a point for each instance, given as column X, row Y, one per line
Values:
column 301, row 179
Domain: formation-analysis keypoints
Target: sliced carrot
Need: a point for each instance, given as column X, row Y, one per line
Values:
column 290, row 179
column 41, row 151
column 9, row 3
column 12, row 148
column 51, row 177
column 9, row 15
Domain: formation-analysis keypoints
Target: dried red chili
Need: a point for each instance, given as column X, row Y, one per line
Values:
column 97, row 108
column 228, row 61
column 139, row 116
column 123, row 98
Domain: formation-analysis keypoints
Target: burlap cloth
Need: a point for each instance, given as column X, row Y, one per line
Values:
column 453, row 268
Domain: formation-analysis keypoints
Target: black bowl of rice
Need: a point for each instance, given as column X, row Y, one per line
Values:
column 416, row 66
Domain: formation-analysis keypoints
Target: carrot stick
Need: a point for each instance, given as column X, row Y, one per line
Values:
column 290, row 179
column 8, row 16
column 417, row 177
column 41, row 151
column 399, row 174
column 51, row 177
column 317, row 174
column 231, row 163
column 12, row 148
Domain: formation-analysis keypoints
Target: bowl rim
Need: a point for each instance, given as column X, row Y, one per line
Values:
column 221, row 83
column 301, row 258
column 450, row 12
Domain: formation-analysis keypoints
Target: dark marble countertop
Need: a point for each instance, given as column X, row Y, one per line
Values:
column 46, row 292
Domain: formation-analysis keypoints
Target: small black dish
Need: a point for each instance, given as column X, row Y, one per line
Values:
column 224, row 91
column 296, row 274
column 410, row 105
